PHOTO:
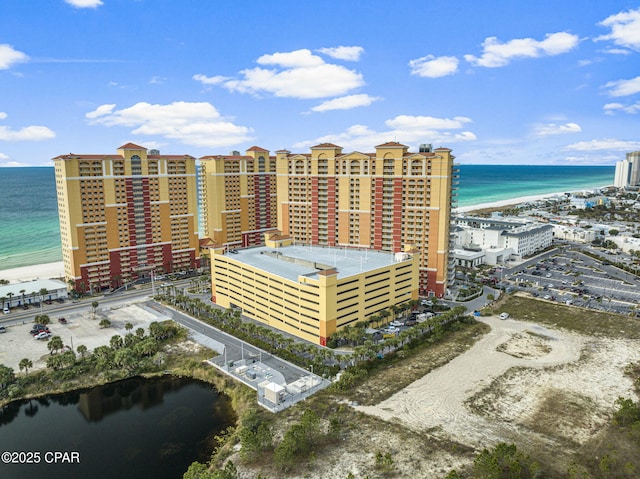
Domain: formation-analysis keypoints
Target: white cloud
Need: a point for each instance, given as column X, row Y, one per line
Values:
column 195, row 124
column 624, row 87
column 28, row 133
column 156, row 80
column 406, row 129
column 296, row 74
column 617, row 51
column 554, row 129
column 497, row 54
column 432, row 67
column 346, row 102
column 611, row 108
column 606, row 144
column 343, row 53
column 625, row 29
column 10, row 164
column 214, row 80
column 9, row 56
column 84, row 3
column 101, row 111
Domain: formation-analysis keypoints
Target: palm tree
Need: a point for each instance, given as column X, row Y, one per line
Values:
column 94, row 306
column 25, row 364
column 82, row 350
column 116, row 342
column 22, row 291
column 43, row 292
column 395, row 309
column 55, row 344
column 384, row 314
column 128, row 326
column 10, row 296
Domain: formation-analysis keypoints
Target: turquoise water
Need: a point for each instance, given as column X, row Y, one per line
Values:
column 30, row 232
column 29, row 227
column 489, row 183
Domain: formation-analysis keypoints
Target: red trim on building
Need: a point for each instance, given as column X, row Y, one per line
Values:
column 315, row 234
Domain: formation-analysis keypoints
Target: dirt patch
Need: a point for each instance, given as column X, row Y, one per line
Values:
column 386, row 382
column 521, row 383
column 527, row 345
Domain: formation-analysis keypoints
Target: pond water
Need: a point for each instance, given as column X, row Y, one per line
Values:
column 136, row 428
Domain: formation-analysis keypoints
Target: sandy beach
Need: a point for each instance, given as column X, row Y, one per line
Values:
column 508, row 202
column 28, row 273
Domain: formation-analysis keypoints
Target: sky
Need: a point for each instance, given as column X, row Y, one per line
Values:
column 550, row 82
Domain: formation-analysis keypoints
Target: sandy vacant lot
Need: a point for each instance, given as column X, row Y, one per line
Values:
column 521, row 383
column 81, row 328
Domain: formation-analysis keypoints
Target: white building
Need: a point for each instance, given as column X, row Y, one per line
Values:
column 575, row 234
column 33, row 292
column 503, row 239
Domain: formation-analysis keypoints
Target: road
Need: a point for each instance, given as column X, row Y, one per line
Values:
column 233, row 349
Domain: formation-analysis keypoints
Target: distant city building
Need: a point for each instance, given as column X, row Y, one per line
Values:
column 381, row 200
column 581, row 202
column 238, row 200
column 124, row 215
column 627, row 173
column 311, row 291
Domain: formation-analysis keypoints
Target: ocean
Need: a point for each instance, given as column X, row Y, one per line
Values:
column 30, row 233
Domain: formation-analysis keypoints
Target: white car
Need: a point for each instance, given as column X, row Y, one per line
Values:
column 396, row 323
column 504, row 316
column 43, row 335
column 6, row 310
column 391, row 329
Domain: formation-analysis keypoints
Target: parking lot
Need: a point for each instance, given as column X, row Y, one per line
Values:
column 81, row 328
column 576, row 279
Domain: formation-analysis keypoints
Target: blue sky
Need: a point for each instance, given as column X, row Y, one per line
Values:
column 545, row 82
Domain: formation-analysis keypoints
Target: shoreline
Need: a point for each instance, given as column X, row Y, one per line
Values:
column 518, row 201
column 55, row 270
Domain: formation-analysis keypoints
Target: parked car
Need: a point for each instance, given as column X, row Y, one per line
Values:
column 62, row 320
column 43, row 335
column 504, row 316
column 38, row 328
column 3, row 329
column 6, row 310
column 396, row 323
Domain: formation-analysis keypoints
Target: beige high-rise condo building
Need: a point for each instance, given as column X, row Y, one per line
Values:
column 124, row 215
column 384, row 200
column 238, row 197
